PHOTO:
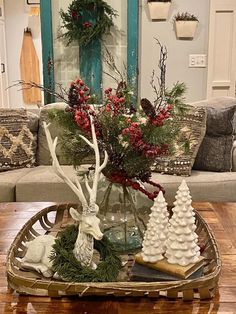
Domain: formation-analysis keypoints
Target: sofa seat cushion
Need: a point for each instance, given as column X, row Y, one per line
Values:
column 42, row 184
column 8, row 181
column 203, row 185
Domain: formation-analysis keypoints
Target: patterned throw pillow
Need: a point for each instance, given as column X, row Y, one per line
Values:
column 192, row 126
column 16, row 140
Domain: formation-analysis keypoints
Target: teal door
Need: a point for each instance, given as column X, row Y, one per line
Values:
column 62, row 64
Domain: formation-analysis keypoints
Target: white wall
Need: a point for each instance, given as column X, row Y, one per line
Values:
column 178, row 50
column 17, row 19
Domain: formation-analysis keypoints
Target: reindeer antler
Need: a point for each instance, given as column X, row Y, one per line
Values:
column 57, row 168
column 77, row 189
column 98, row 167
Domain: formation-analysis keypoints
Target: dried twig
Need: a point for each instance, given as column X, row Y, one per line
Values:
column 160, row 94
column 110, row 61
column 28, row 85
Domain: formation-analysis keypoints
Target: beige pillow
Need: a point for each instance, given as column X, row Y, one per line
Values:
column 17, row 143
column 192, row 125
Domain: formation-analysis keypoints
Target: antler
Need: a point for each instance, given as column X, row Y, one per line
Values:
column 98, row 167
column 55, row 163
column 77, row 189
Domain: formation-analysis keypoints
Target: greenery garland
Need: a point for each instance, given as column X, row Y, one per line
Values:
column 87, row 20
column 70, row 269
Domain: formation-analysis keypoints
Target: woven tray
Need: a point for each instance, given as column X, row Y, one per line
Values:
column 54, row 218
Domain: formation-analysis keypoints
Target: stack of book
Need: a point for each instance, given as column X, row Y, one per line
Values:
column 164, row 271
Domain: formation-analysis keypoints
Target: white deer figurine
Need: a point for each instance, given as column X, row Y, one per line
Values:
column 37, row 255
column 88, row 221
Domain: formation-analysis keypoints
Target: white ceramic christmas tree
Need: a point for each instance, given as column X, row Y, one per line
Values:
column 156, row 233
column 181, row 246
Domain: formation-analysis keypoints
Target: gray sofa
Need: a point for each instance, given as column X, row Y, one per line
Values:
column 40, row 183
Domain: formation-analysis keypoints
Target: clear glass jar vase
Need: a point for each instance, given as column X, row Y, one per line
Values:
column 122, row 211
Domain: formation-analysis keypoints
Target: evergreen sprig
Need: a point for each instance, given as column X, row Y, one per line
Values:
column 70, row 269
column 87, row 20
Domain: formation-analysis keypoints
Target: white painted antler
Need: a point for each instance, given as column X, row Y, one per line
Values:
column 55, row 163
column 89, row 223
column 98, row 167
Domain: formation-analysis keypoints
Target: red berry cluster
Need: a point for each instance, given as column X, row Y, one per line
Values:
column 120, row 178
column 162, row 115
column 82, row 119
column 135, row 135
column 114, row 103
column 87, row 24
column 78, row 94
column 74, row 14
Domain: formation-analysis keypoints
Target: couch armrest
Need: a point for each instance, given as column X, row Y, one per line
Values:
column 234, row 157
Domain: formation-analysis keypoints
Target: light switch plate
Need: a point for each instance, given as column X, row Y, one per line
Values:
column 197, row 60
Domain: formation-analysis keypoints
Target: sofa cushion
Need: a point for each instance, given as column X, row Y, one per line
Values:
column 204, row 186
column 218, row 103
column 43, row 154
column 42, row 184
column 8, row 181
column 192, row 128
column 215, row 152
column 17, row 143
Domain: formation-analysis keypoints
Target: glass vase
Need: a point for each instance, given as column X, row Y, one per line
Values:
column 122, row 212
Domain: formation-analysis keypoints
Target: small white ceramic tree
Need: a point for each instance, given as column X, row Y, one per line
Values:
column 156, row 233
column 181, row 246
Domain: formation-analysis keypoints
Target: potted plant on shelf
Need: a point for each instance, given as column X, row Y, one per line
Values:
column 159, row 9
column 185, row 25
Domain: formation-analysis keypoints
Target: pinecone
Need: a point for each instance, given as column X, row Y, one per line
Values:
column 148, row 108
column 120, row 89
column 73, row 97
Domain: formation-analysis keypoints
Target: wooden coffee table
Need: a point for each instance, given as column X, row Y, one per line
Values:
column 221, row 217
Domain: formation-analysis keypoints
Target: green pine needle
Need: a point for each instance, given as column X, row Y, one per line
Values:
column 70, row 269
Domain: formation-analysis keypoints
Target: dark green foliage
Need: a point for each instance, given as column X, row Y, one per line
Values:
column 67, row 266
column 87, row 20
column 175, row 97
column 74, row 148
column 185, row 17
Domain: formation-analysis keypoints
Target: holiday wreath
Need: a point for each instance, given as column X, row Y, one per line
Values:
column 87, row 20
column 70, row 269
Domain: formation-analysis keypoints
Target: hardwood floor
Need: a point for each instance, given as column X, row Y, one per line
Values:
column 221, row 217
